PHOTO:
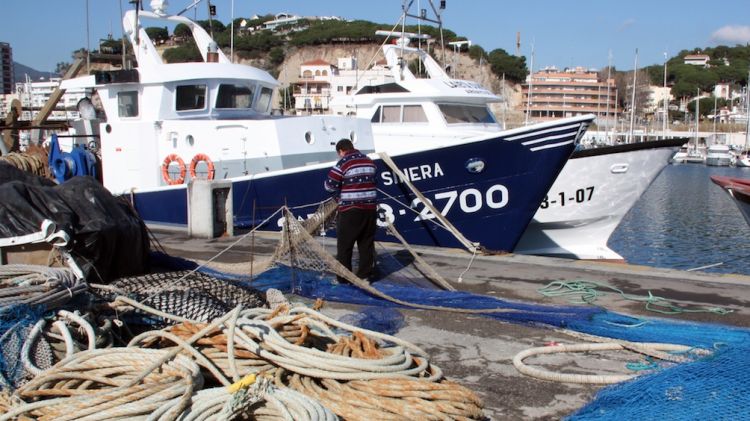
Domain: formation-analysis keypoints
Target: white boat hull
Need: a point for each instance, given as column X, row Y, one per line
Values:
column 588, row 200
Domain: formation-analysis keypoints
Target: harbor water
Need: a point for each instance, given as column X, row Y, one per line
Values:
column 684, row 221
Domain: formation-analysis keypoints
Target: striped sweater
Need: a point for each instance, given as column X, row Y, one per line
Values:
column 352, row 179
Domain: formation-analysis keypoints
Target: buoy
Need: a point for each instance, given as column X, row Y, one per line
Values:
column 202, row 158
column 165, row 169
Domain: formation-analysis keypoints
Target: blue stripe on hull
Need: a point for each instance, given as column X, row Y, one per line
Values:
column 474, row 202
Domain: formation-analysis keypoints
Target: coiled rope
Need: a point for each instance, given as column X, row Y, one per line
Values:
column 543, row 374
column 38, row 285
column 98, row 385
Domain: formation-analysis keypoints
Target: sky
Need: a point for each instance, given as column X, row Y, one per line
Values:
column 587, row 33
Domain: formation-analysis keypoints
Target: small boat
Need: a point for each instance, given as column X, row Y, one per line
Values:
column 170, row 125
column 595, row 190
column 739, row 190
column 680, row 156
column 718, row 155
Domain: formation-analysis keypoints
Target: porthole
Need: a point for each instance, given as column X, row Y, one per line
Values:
column 309, row 138
column 190, row 140
column 353, row 137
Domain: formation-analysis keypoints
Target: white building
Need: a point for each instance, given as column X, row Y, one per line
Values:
column 722, row 90
column 34, row 95
column 320, row 81
column 697, row 60
column 656, row 96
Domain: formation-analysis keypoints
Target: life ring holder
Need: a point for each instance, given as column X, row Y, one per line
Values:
column 165, row 170
column 201, row 157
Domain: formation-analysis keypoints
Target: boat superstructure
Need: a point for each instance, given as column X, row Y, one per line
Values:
column 169, row 125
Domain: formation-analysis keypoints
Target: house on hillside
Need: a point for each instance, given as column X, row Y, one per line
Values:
column 697, row 60
column 321, row 81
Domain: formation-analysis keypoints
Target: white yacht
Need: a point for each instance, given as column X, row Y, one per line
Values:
column 718, row 155
column 587, row 202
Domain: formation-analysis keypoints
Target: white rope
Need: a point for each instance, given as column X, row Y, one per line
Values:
column 583, row 378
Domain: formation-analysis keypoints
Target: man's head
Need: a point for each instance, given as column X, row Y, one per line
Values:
column 343, row 146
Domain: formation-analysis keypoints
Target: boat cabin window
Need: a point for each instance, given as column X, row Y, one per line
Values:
column 127, row 104
column 264, row 100
column 234, row 96
column 191, row 97
column 391, row 114
column 414, row 114
column 399, row 114
column 461, row 114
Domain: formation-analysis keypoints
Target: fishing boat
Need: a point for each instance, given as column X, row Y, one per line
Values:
column 592, row 193
column 170, row 125
column 739, row 190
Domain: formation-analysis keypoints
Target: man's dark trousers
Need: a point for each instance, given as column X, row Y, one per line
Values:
column 357, row 226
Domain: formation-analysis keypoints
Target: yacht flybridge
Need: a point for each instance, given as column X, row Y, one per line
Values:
column 167, row 126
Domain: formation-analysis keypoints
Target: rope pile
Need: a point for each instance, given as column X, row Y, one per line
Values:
column 35, row 163
column 38, row 285
column 107, row 383
column 355, row 372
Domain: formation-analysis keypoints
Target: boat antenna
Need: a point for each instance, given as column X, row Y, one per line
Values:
column 192, row 5
column 88, row 41
column 423, row 17
column 210, row 20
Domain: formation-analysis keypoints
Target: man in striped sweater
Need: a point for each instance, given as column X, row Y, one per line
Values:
column 352, row 181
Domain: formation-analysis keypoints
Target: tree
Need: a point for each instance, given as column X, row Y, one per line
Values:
column 477, row 52
column 513, row 67
column 182, row 31
column 186, row 53
column 62, row 67
column 157, row 35
column 276, row 56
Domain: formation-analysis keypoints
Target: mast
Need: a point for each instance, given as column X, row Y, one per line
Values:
column 632, row 100
column 606, row 113
column 666, row 101
column 747, row 109
column 531, row 85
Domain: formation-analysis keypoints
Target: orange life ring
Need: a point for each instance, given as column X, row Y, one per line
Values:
column 165, row 169
column 202, row 157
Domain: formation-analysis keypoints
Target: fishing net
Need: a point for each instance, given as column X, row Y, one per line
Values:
column 187, row 294
column 16, row 322
column 713, row 387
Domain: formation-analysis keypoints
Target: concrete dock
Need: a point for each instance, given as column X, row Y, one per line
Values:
column 477, row 352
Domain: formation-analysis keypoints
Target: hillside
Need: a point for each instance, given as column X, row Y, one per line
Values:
column 20, row 71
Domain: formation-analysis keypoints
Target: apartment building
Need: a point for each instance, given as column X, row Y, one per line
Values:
column 551, row 93
column 6, row 69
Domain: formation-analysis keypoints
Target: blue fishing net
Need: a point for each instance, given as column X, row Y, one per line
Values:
column 711, row 388
column 16, row 322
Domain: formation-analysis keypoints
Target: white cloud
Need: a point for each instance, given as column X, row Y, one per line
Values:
column 626, row 24
column 732, row 33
